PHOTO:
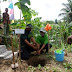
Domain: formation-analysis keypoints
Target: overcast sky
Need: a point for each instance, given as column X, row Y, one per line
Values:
column 47, row 9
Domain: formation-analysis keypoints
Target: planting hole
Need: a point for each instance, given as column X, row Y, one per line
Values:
column 35, row 61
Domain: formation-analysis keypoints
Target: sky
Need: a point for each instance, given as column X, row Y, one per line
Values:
column 47, row 9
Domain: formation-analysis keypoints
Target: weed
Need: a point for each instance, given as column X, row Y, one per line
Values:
column 70, row 69
column 39, row 67
column 33, row 69
column 29, row 68
column 67, row 65
column 50, row 56
column 46, row 68
column 54, row 70
column 69, row 48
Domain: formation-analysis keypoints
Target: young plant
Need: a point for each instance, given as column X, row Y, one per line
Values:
column 46, row 68
column 39, row 67
column 54, row 58
column 50, row 56
column 70, row 69
column 33, row 69
column 29, row 68
column 54, row 70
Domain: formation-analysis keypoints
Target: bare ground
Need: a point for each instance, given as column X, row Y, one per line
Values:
column 31, row 65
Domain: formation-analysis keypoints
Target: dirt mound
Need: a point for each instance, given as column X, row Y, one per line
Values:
column 35, row 61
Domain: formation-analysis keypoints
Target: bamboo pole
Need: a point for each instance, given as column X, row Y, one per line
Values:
column 14, row 65
column 14, row 19
column 19, row 39
column 48, row 42
column 12, row 50
column 19, row 48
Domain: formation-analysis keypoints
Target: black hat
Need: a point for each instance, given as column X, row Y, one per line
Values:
column 28, row 26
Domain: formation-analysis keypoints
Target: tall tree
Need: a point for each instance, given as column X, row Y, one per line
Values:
column 67, row 11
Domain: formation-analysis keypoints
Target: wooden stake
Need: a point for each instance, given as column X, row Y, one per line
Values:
column 19, row 39
column 48, row 42
column 19, row 49
column 12, row 50
column 14, row 19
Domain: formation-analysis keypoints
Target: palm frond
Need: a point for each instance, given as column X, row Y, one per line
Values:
column 67, row 5
column 65, row 10
column 62, row 14
column 69, row 1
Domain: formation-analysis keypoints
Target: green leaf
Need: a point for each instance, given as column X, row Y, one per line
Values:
column 18, row 4
column 13, row 24
column 25, row 1
column 4, row 0
column 24, row 9
column 70, row 70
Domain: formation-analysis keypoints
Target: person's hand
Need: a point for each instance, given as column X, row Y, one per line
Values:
column 39, row 52
column 34, row 44
column 34, row 47
column 35, row 52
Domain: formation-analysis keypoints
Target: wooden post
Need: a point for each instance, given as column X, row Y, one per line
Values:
column 19, row 39
column 14, row 19
column 19, row 48
column 12, row 50
column 48, row 42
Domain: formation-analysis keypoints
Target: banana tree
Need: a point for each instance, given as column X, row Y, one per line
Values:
column 22, row 5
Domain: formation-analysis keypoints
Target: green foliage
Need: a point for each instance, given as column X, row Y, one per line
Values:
column 26, row 11
column 50, row 56
column 67, row 65
column 33, row 12
column 60, row 32
column 70, row 69
column 37, row 24
column 54, row 70
column 69, row 48
column 31, row 68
